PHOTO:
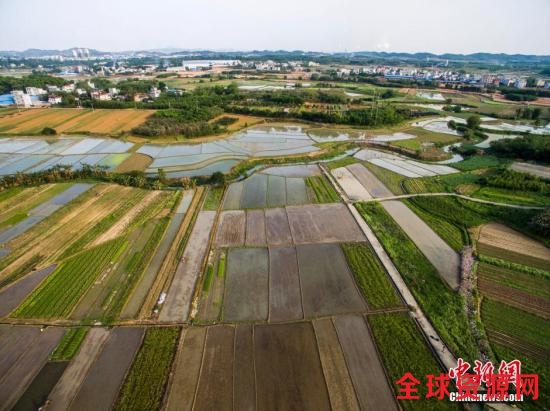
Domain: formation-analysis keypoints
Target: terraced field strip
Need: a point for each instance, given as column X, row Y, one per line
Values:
column 327, row 284
column 44, row 210
column 212, row 292
column 514, row 297
column 541, row 354
column 178, row 299
column 315, row 224
column 232, row 199
column 255, row 192
column 14, row 294
column 247, row 284
column 276, row 191
column 186, row 370
column 441, row 255
column 16, row 380
column 364, row 365
column 215, row 385
column 255, row 228
column 296, row 191
column 503, row 242
column 101, row 385
column 244, row 379
column 289, row 374
column 172, row 259
column 536, row 284
column 285, row 300
column 57, row 296
column 369, row 181
column 231, row 229
column 277, row 227
column 146, row 281
column 15, row 203
column 351, row 186
column 340, row 388
column 69, row 383
column 321, row 191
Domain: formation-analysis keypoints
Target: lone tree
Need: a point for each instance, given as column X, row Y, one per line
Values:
column 218, row 178
column 473, row 122
column 541, row 222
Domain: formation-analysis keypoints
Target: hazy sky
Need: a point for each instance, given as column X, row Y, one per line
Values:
column 458, row 26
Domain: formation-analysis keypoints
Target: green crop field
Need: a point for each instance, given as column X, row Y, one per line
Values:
column 516, row 323
column 425, row 283
column 69, row 344
column 145, row 383
column 213, row 198
column 403, row 349
column 59, row 293
column 476, row 162
column 323, row 192
column 371, row 277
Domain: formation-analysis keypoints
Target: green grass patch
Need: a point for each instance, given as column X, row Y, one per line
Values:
column 443, row 306
column 221, row 266
column 403, row 350
column 208, row 278
column 389, row 178
column 26, row 268
column 323, row 192
column 476, row 162
column 370, row 276
column 13, row 219
column 59, row 293
column 213, row 198
column 145, row 383
column 342, row 162
column 69, row 344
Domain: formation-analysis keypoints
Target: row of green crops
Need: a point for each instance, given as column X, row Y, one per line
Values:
column 322, row 189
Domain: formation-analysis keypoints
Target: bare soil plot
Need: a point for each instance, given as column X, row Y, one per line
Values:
column 534, row 169
column 340, row 387
column 16, row 380
column 185, row 374
column 14, row 341
column 69, row 383
column 327, row 283
column 351, row 186
column 368, row 180
column 364, row 365
column 255, row 228
column 289, row 375
column 323, row 223
column 277, row 227
column 296, row 191
column 37, row 393
column 215, row 388
column 100, row 387
column 178, row 299
column 246, row 288
column 276, row 191
column 285, row 300
column 244, row 379
column 231, row 229
column 136, row 162
column 440, row 254
column 513, row 246
column 14, row 294
column 116, row 229
column 255, row 192
column 233, row 195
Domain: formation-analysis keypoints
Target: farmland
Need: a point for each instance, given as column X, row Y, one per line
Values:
column 66, row 120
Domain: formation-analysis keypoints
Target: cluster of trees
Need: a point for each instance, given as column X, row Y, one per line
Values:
column 61, row 173
column 529, row 147
column 528, row 113
column 7, row 84
column 517, row 181
column 299, row 97
column 470, row 130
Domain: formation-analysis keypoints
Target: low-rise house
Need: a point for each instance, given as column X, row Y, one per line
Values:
column 35, row 91
column 21, row 99
column 154, row 92
column 100, row 95
column 55, row 99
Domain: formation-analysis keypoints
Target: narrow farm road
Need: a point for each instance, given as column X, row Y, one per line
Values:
column 445, row 357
